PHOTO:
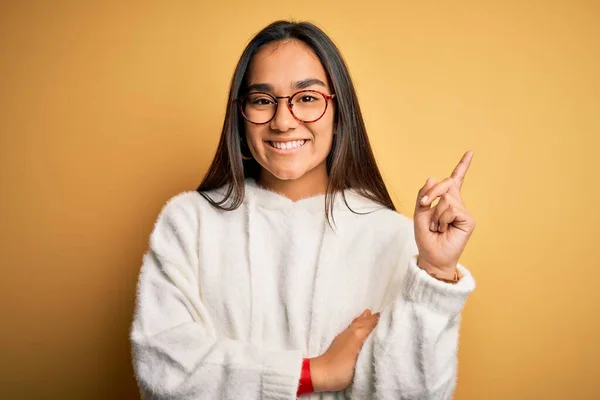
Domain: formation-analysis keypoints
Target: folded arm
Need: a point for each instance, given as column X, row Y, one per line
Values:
column 412, row 353
column 177, row 352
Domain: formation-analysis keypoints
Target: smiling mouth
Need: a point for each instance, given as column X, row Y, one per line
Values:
column 289, row 145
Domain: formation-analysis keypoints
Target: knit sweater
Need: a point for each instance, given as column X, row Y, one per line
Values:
column 229, row 302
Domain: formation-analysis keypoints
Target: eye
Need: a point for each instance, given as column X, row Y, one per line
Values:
column 307, row 98
column 261, row 101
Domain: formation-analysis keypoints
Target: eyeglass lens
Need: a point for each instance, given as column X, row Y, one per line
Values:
column 306, row 106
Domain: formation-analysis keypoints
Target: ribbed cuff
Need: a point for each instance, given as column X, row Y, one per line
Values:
column 439, row 296
column 281, row 375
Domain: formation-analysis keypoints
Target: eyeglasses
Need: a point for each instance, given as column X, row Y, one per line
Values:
column 306, row 106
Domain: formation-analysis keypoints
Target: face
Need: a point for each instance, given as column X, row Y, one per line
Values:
column 286, row 148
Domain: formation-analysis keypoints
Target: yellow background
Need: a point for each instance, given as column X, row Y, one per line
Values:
column 107, row 110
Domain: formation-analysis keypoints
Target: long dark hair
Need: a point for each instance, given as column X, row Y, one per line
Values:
column 350, row 163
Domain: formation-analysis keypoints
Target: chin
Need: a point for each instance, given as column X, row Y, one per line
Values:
column 286, row 171
column 287, row 175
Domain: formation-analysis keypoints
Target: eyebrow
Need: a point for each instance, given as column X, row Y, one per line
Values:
column 303, row 84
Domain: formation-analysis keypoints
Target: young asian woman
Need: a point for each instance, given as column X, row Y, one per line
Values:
column 289, row 272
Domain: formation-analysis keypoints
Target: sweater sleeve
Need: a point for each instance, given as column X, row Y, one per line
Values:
column 412, row 352
column 177, row 352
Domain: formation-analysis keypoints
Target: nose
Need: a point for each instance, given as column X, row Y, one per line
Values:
column 283, row 119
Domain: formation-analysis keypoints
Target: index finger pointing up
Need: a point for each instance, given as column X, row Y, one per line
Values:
column 461, row 169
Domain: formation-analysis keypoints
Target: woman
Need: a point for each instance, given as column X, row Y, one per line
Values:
column 261, row 283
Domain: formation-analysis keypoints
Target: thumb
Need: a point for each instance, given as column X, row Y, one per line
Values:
column 428, row 185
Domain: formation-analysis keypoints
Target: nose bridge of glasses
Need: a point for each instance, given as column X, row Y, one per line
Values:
column 289, row 100
column 277, row 112
column 289, row 103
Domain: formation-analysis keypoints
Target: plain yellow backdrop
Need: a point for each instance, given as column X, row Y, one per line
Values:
column 107, row 109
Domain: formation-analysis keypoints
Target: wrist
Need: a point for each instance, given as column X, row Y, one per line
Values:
column 318, row 373
column 449, row 273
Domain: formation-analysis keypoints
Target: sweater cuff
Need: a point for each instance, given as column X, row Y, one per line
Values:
column 445, row 298
column 281, row 375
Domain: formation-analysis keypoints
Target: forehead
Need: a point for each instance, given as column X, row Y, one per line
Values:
column 280, row 64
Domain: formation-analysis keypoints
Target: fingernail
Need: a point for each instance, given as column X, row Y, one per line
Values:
column 432, row 226
column 424, row 200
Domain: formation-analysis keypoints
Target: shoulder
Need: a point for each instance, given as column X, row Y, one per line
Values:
column 187, row 207
column 177, row 218
column 376, row 219
column 180, row 219
column 375, row 212
column 184, row 202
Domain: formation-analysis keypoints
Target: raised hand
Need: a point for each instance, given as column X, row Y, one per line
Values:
column 334, row 369
column 442, row 231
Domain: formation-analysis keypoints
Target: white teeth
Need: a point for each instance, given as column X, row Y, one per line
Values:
column 293, row 144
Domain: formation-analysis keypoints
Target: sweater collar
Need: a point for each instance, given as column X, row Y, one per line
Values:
column 314, row 204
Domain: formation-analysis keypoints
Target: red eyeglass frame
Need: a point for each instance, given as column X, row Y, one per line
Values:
column 327, row 97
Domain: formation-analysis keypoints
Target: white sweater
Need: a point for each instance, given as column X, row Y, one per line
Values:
column 229, row 302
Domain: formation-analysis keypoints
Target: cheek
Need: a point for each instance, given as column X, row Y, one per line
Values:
column 329, row 119
column 252, row 134
column 323, row 130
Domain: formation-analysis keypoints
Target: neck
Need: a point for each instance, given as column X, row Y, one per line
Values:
column 312, row 183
